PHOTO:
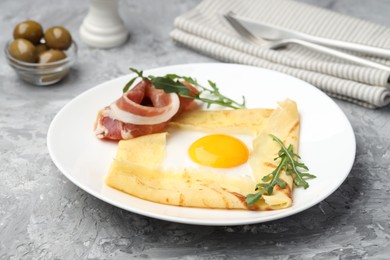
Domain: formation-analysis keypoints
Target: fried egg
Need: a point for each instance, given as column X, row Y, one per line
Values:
column 217, row 153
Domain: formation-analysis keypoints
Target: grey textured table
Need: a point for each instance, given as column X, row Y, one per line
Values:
column 45, row 216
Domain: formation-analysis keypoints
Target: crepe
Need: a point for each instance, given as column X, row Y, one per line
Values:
column 136, row 169
column 244, row 121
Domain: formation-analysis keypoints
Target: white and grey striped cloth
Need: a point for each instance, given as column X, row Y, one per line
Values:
column 203, row 29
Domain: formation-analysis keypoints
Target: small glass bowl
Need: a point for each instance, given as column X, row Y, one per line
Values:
column 43, row 74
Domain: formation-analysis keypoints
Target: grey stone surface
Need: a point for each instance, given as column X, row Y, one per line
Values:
column 45, row 216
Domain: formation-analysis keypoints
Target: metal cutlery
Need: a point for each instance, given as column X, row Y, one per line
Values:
column 250, row 31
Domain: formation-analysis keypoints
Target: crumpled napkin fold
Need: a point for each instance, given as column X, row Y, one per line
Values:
column 204, row 30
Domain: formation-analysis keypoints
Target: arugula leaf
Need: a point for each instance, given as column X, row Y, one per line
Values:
column 251, row 199
column 287, row 163
column 170, row 86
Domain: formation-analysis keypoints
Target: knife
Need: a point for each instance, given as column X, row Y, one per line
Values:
column 273, row 32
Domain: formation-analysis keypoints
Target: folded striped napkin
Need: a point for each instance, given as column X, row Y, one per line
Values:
column 204, row 30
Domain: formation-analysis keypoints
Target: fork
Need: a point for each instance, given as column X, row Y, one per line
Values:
column 247, row 35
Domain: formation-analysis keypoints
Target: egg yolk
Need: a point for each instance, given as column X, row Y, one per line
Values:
column 219, row 151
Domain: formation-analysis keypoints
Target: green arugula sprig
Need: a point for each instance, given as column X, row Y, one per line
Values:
column 290, row 165
column 172, row 83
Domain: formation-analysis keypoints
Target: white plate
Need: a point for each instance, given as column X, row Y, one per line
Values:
column 327, row 141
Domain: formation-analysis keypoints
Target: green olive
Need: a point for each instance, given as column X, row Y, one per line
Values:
column 57, row 37
column 40, row 48
column 29, row 30
column 23, row 50
column 51, row 56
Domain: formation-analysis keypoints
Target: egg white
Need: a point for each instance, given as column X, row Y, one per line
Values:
column 177, row 158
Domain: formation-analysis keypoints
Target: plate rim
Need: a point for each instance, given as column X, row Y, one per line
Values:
column 198, row 221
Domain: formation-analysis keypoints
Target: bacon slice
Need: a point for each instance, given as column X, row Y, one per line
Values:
column 140, row 111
